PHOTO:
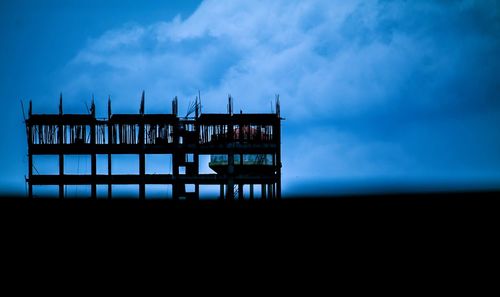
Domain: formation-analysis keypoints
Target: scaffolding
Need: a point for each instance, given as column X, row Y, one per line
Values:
column 184, row 138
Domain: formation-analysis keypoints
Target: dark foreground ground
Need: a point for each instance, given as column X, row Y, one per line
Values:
column 316, row 230
column 466, row 217
column 456, row 205
column 458, row 198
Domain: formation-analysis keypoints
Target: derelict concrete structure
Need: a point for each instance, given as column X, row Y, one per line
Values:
column 245, row 149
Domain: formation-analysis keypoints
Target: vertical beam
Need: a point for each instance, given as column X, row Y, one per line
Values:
column 142, row 157
column 110, row 142
column 263, row 191
column 197, row 191
column 94, row 176
column 142, row 172
column 251, row 191
column 175, row 161
column 30, row 154
column 61, row 175
column 221, row 195
column 240, row 140
column 30, row 175
column 110, row 185
column 270, row 191
column 93, row 155
column 277, row 140
column 174, row 106
column 240, row 192
column 230, row 105
column 61, row 156
column 196, row 156
column 230, row 156
column 230, row 178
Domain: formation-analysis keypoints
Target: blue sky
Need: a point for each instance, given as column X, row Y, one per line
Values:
column 376, row 94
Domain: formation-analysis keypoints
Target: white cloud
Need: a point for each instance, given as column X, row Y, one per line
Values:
column 327, row 59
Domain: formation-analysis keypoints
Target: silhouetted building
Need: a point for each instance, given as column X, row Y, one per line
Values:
column 244, row 149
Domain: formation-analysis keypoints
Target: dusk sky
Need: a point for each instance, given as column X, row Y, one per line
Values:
column 377, row 95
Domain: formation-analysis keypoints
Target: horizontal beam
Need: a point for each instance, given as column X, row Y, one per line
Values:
column 87, row 149
column 204, row 119
column 128, row 179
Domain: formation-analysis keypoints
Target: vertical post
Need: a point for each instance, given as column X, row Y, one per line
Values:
column 251, row 191
column 196, row 185
column 175, row 161
column 61, row 176
column 240, row 140
column 30, row 175
column 196, row 156
column 174, row 106
column 110, row 143
column 240, row 192
column 221, row 195
column 270, row 191
column 263, row 191
column 93, row 156
column 142, row 185
column 230, row 175
column 230, row 156
column 30, row 156
column 277, row 141
column 61, row 155
column 142, row 157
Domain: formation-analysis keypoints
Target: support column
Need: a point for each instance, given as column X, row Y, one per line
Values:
column 230, row 156
column 196, row 156
column 30, row 156
column 94, row 176
column 230, row 174
column 270, row 191
column 142, row 172
column 94, row 164
column 221, row 195
column 61, row 175
column 30, row 175
column 93, row 155
column 175, row 164
column 142, row 157
column 277, row 157
column 175, row 176
column 110, row 143
column 240, row 192
column 230, row 180
column 251, row 191
column 60, row 137
column 110, row 187
column 263, row 191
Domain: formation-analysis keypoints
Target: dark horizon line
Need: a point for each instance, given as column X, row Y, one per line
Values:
column 387, row 194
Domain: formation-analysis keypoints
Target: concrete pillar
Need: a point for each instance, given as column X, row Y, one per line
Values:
column 240, row 192
column 110, row 188
column 221, row 195
column 61, row 174
column 94, row 176
column 142, row 172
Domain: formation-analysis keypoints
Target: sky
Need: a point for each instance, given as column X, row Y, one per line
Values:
column 377, row 95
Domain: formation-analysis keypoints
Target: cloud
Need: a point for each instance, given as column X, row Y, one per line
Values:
column 355, row 76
